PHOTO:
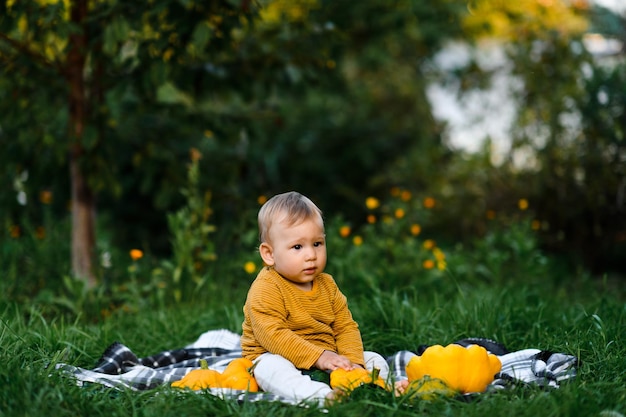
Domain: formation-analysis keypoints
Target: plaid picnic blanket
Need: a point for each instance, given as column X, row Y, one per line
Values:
column 120, row 368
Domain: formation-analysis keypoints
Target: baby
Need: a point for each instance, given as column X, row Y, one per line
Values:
column 295, row 316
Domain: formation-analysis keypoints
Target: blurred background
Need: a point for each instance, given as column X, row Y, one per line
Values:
column 138, row 139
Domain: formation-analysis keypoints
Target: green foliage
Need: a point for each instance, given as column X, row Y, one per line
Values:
column 577, row 192
column 395, row 248
column 390, row 250
column 567, row 153
column 193, row 249
column 219, row 78
column 507, row 252
column 29, row 249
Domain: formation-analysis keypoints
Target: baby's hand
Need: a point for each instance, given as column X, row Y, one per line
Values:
column 329, row 361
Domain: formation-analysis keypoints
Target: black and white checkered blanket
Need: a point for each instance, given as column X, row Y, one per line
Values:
column 120, row 368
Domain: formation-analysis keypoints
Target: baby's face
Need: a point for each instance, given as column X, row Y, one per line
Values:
column 299, row 251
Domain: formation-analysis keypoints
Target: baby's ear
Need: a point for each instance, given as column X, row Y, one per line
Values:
column 267, row 254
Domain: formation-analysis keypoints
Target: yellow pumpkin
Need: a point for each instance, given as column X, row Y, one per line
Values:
column 238, row 375
column 200, row 379
column 349, row 380
column 462, row 369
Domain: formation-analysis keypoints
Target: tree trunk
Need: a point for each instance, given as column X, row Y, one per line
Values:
column 83, row 223
column 83, row 203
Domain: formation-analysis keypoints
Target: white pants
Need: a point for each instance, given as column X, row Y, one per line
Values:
column 279, row 376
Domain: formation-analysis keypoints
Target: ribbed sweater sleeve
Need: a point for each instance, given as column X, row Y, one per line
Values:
column 282, row 319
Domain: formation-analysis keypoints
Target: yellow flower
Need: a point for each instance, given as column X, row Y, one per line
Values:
column 441, row 265
column 371, row 219
column 344, row 231
column 491, row 214
column 249, row 267
column 428, row 264
column 261, row 200
column 522, row 204
column 208, row 133
column 357, row 240
column 136, row 254
column 399, row 213
column 416, row 229
column 168, row 54
column 429, row 202
column 372, row 203
column 439, row 255
column 428, row 244
column 405, row 195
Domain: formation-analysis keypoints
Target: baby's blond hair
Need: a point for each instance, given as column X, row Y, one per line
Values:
column 295, row 208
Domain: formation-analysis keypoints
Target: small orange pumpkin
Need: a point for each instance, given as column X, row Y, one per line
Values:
column 238, row 375
column 349, row 380
column 200, row 379
column 462, row 369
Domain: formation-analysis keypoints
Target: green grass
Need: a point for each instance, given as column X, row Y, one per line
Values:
column 588, row 321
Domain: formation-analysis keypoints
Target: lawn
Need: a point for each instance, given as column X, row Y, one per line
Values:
column 585, row 318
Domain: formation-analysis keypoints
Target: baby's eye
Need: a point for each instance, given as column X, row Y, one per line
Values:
column 316, row 244
column 297, row 247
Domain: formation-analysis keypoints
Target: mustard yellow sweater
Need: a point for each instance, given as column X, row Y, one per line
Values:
column 298, row 325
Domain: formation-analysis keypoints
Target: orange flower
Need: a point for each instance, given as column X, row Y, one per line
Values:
column 344, row 231
column 372, row 203
column 429, row 202
column 395, row 191
column 40, row 232
column 416, row 229
column 136, row 254
column 249, row 267
column 491, row 214
column 15, row 231
column 535, row 225
column 357, row 240
column 45, row 197
column 371, row 219
column 405, row 195
column 399, row 213
column 428, row 264
column 428, row 244
column 261, row 200
column 195, row 154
